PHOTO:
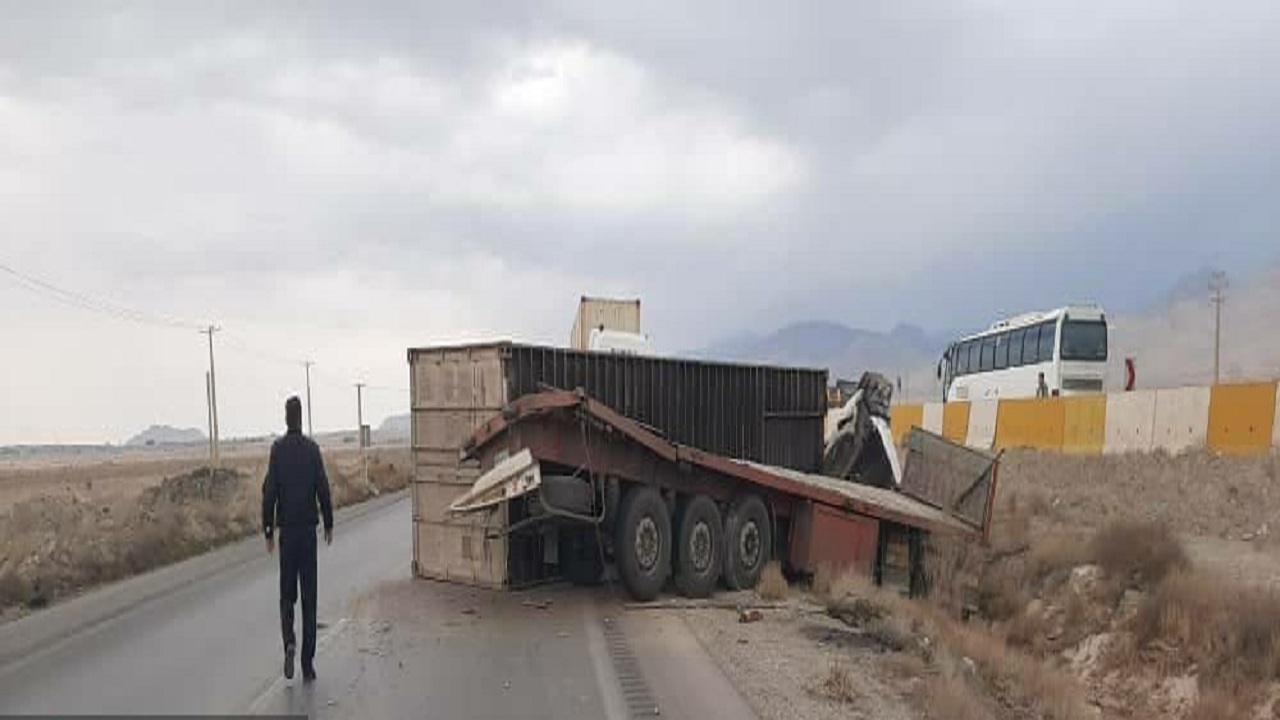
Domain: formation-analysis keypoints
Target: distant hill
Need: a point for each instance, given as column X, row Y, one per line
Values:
column 166, row 435
column 845, row 351
column 1172, row 341
column 394, row 428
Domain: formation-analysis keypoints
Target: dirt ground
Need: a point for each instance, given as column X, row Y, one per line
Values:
column 783, row 662
column 67, row 527
column 1064, row 629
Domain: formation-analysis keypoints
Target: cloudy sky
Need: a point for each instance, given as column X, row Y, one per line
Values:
column 339, row 181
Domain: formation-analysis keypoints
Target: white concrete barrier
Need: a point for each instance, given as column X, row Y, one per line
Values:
column 1275, row 430
column 982, row 423
column 1130, row 422
column 933, row 417
column 1181, row 419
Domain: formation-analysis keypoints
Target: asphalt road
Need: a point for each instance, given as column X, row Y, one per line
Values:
column 203, row 638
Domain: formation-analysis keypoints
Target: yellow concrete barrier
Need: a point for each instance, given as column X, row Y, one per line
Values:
column 903, row 418
column 955, row 421
column 1242, row 417
column 1084, row 424
column 1030, row 423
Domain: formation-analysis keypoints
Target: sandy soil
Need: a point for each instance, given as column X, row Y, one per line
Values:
column 1196, row 493
column 780, row 661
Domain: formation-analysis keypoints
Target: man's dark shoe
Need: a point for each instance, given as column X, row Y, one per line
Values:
column 288, row 662
column 308, row 672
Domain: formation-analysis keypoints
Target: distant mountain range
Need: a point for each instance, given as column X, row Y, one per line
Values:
column 166, row 435
column 1171, row 342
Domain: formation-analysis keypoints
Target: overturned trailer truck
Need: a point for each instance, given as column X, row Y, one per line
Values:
column 663, row 468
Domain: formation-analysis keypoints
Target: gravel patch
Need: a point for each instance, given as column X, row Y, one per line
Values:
column 780, row 663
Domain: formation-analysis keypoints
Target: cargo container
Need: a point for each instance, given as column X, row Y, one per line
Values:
column 621, row 315
column 764, row 414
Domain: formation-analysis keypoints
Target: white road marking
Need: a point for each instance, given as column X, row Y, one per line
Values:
column 322, row 643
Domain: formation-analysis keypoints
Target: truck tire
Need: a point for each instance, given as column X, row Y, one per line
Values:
column 699, row 547
column 580, row 561
column 642, row 550
column 748, row 542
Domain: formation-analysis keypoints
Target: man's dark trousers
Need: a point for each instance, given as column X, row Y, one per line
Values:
column 298, row 567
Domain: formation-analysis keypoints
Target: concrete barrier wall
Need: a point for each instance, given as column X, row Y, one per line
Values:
column 1226, row 418
column 1242, row 417
column 1130, row 422
column 1182, row 419
column 903, row 418
column 1084, row 424
column 982, row 423
column 1030, row 423
column 933, row 417
column 955, row 421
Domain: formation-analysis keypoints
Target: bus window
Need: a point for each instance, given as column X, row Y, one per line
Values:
column 1084, row 340
column 1015, row 347
column 1031, row 346
column 988, row 354
column 1047, row 332
column 1002, row 351
column 960, row 358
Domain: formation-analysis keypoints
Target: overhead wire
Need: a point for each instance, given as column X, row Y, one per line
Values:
column 86, row 302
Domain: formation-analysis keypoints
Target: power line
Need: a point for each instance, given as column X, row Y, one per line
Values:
column 86, row 302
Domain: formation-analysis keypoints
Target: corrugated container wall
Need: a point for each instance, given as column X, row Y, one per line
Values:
column 766, row 414
column 621, row 315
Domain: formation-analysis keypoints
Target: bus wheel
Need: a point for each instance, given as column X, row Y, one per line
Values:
column 748, row 541
column 699, row 547
column 642, row 550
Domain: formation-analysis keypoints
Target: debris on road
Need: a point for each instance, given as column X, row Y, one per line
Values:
column 750, row 616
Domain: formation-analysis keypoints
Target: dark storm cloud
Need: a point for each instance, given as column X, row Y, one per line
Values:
column 425, row 170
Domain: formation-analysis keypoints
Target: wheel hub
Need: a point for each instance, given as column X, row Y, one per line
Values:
column 647, row 544
column 749, row 545
column 700, row 551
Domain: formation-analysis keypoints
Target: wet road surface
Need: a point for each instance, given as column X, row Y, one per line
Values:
column 389, row 645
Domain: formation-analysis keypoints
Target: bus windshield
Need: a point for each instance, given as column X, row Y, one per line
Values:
column 1084, row 340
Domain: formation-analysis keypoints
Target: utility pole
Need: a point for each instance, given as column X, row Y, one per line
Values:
column 364, row 457
column 208, row 399
column 307, row 364
column 1217, row 296
column 213, row 396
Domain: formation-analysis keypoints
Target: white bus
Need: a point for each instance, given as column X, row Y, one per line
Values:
column 1068, row 345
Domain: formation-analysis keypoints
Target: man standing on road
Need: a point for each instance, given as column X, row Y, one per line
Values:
column 295, row 485
column 1042, row 388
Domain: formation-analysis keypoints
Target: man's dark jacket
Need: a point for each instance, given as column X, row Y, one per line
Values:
column 295, row 484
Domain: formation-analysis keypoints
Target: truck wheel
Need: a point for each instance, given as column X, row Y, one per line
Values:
column 699, row 547
column 748, row 542
column 642, row 550
column 580, row 561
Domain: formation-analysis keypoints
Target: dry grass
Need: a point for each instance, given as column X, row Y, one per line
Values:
column 1001, row 674
column 837, row 684
column 773, row 586
column 1221, row 705
column 1142, row 553
column 1231, row 634
column 953, row 699
column 1019, row 682
column 57, row 545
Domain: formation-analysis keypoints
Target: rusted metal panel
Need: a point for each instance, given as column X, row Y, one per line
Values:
column 824, row 537
column 622, row 315
column 955, row 479
column 554, row 436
